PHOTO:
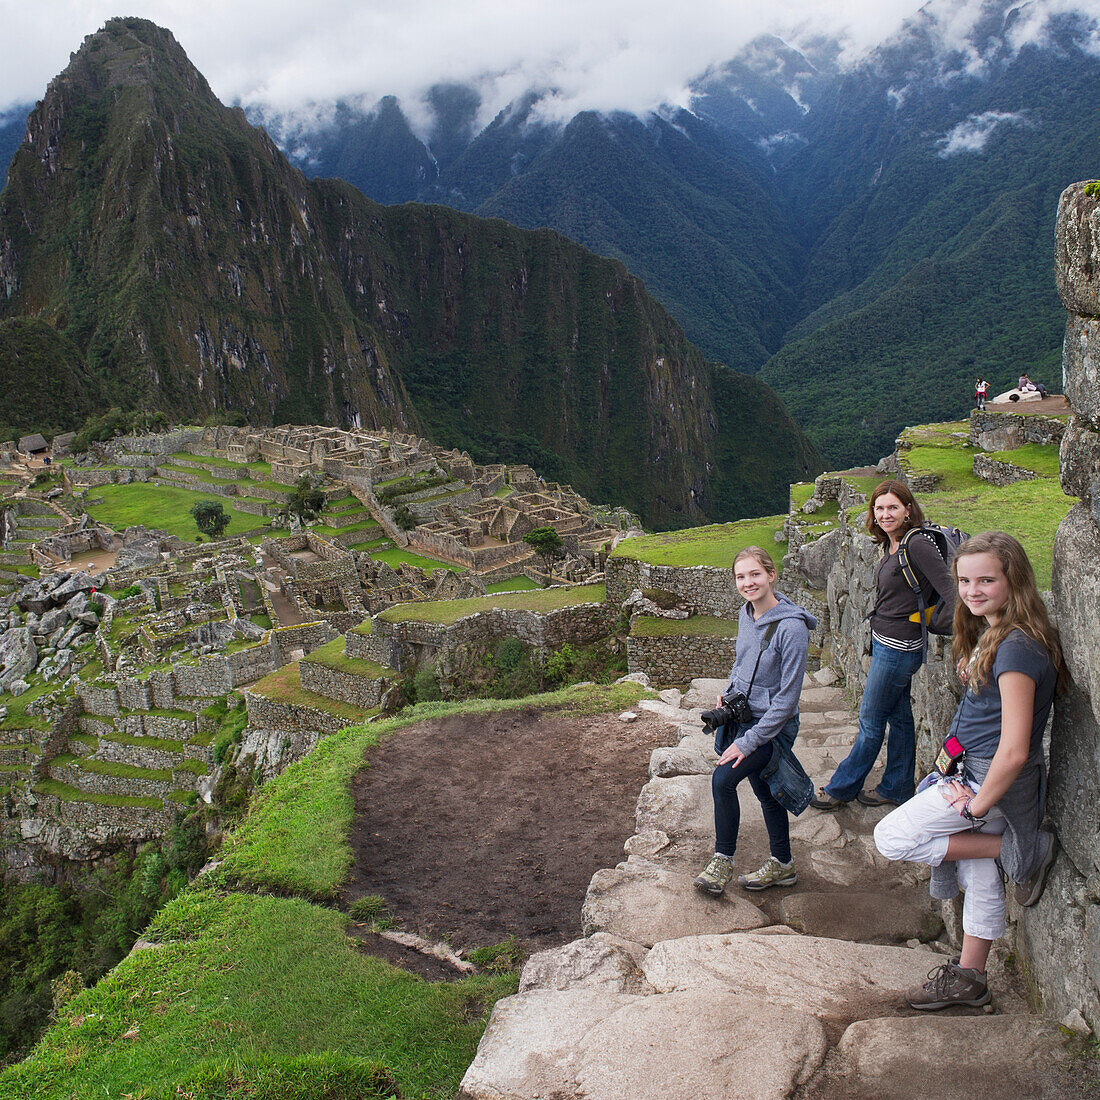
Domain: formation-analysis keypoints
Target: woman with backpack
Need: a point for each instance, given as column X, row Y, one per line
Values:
column 897, row 650
column 984, row 802
column 773, row 636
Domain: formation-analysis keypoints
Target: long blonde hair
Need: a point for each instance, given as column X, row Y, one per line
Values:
column 1024, row 609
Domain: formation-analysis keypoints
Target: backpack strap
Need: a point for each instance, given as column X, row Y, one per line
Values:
column 923, row 614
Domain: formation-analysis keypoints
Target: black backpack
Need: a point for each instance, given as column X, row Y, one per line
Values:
column 937, row 619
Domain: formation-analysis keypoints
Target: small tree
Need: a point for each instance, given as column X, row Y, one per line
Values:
column 305, row 502
column 546, row 542
column 210, row 518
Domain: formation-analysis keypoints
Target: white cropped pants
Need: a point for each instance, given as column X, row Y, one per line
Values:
column 918, row 831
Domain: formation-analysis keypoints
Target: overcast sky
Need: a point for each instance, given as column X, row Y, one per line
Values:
column 604, row 54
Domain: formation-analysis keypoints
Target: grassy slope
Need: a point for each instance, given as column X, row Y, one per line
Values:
column 715, row 545
column 262, row 996
column 162, row 507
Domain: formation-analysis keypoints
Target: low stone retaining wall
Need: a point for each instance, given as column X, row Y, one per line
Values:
column 708, row 589
column 94, row 783
column 1000, row 473
column 345, row 687
column 681, row 658
column 1005, row 431
column 291, row 718
column 412, row 643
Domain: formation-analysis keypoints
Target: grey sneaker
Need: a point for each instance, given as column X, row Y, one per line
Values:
column 949, row 985
column 773, row 873
column 715, row 877
column 1028, row 893
column 825, row 801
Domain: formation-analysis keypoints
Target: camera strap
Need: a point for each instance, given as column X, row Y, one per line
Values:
column 769, row 633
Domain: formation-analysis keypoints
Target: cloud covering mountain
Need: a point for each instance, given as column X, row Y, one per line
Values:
column 605, row 55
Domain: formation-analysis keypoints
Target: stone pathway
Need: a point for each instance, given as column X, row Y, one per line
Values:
column 785, row 993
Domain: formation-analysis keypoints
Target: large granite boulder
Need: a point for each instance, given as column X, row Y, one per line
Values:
column 587, row 1045
column 1077, row 251
column 647, row 904
column 18, row 656
column 601, row 961
column 816, row 559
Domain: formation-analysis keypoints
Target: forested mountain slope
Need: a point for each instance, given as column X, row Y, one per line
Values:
column 871, row 239
column 195, row 271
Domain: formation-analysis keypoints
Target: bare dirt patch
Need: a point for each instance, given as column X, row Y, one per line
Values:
column 476, row 828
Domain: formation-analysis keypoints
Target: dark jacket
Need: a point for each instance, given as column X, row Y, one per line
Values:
column 895, row 601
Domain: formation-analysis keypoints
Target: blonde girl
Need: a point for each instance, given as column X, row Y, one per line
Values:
column 988, row 803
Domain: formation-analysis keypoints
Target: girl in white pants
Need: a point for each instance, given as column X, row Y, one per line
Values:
column 986, row 804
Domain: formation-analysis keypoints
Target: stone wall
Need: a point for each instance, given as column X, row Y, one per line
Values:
column 997, row 431
column 404, row 645
column 355, row 690
column 1000, row 473
column 677, row 660
column 707, row 589
column 1060, row 937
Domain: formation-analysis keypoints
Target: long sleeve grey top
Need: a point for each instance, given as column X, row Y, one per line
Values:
column 778, row 681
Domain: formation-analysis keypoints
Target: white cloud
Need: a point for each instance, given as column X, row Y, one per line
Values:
column 633, row 55
column 972, row 134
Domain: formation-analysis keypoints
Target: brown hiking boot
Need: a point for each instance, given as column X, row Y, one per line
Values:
column 825, row 801
column 949, row 985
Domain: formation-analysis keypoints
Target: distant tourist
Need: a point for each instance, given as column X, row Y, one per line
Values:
column 761, row 719
column 897, row 649
column 984, row 802
column 981, row 389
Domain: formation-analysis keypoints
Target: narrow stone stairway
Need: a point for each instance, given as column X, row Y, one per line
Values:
column 793, row 992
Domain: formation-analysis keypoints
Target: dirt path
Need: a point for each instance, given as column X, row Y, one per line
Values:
column 478, row 828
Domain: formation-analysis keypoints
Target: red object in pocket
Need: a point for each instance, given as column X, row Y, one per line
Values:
column 947, row 759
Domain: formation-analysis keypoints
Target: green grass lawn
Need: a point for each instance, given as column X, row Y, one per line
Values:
column 516, row 584
column 332, row 655
column 257, row 997
column 284, row 686
column 1040, row 458
column 398, row 555
column 716, row 545
column 164, row 508
column 698, row 626
column 450, row 611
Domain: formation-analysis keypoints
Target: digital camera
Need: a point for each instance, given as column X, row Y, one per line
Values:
column 734, row 710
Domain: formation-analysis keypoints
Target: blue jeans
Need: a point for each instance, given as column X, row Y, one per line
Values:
column 727, row 809
column 885, row 701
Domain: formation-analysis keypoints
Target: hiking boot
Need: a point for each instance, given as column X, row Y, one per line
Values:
column 825, row 801
column 949, row 985
column 773, row 873
column 1028, row 893
column 715, row 877
column 873, row 798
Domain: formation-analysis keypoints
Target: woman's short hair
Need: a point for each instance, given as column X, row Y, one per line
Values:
column 914, row 517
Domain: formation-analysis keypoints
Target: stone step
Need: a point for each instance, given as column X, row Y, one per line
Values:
column 644, row 903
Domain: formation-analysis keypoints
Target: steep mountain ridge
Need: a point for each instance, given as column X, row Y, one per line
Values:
column 196, row 271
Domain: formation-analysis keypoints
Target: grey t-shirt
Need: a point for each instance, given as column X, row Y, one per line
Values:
column 977, row 722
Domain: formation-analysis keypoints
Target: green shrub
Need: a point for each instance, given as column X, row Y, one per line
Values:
column 510, row 652
column 427, row 684
column 560, row 664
